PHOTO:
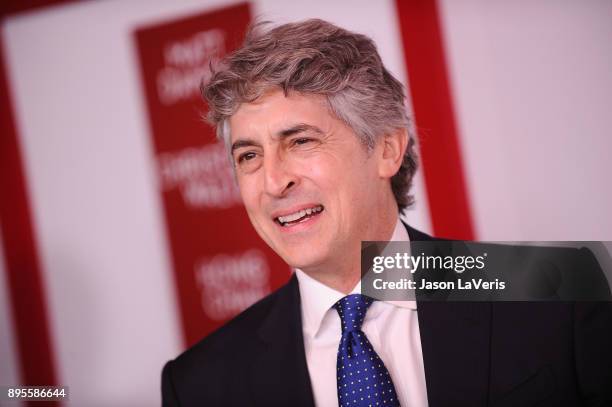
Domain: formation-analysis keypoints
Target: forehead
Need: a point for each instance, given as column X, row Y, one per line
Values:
column 274, row 111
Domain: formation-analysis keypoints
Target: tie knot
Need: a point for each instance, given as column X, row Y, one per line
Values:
column 352, row 310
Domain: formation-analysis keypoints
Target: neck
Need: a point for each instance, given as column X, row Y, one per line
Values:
column 343, row 281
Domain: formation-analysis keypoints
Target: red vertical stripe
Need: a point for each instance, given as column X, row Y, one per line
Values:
column 434, row 116
column 26, row 290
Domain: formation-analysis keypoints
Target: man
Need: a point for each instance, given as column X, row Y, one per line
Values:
column 318, row 135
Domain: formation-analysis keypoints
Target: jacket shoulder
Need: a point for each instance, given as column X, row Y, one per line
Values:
column 239, row 331
column 201, row 373
column 416, row 235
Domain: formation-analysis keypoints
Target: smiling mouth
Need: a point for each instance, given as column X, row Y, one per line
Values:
column 299, row 216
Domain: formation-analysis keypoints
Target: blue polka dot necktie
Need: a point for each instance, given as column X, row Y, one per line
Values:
column 363, row 379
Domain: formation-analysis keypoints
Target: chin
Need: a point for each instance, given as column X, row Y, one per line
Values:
column 300, row 262
column 304, row 259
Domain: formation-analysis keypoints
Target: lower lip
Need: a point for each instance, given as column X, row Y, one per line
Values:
column 300, row 226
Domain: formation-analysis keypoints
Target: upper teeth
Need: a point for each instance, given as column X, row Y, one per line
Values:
column 299, row 214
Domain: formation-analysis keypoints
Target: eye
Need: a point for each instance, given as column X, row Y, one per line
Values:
column 302, row 140
column 246, row 156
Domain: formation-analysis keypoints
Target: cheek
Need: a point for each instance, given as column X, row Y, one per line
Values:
column 359, row 189
column 346, row 178
column 325, row 170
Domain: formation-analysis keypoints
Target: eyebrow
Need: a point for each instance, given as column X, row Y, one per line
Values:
column 290, row 131
column 298, row 128
column 243, row 143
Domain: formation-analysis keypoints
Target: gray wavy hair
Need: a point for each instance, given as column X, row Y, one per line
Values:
column 317, row 57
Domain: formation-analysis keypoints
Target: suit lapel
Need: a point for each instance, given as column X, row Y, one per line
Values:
column 279, row 374
column 455, row 340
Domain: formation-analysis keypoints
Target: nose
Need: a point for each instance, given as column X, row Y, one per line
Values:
column 279, row 178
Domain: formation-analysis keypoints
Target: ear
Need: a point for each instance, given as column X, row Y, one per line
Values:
column 393, row 146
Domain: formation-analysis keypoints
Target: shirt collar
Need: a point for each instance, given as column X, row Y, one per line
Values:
column 317, row 298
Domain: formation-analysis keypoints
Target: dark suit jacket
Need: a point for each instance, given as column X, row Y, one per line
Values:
column 475, row 354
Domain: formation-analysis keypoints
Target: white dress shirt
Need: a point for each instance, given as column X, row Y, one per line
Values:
column 391, row 326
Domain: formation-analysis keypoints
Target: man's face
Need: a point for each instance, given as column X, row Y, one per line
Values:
column 310, row 188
